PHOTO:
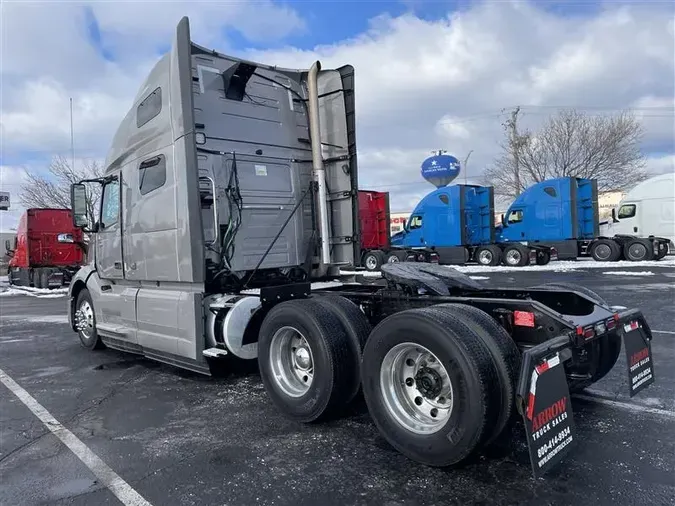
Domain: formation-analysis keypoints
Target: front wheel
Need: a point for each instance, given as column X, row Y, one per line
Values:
column 85, row 322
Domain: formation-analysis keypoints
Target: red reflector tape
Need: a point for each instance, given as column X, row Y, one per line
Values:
column 523, row 318
column 634, row 325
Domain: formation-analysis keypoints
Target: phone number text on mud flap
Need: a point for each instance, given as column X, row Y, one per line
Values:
column 546, row 447
column 641, row 377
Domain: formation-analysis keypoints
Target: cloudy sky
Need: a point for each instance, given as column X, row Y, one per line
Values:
column 429, row 74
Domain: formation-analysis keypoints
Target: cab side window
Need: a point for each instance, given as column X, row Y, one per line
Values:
column 515, row 216
column 627, row 211
column 110, row 204
column 415, row 222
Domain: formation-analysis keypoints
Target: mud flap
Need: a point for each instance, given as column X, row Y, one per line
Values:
column 638, row 356
column 548, row 416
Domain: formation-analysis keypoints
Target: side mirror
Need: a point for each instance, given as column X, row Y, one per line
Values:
column 614, row 216
column 78, row 202
column 65, row 238
column 8, row 246
column 504, row 222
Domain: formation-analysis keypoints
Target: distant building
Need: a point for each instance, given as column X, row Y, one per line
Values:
column 608, row 201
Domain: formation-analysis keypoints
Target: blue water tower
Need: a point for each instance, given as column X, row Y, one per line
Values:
column 440, row 169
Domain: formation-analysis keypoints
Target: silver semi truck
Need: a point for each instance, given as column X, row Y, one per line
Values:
column 230, row 190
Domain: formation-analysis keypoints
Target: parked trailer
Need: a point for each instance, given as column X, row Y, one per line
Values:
column 47, row 249
column 562, row 213
column 266, row 199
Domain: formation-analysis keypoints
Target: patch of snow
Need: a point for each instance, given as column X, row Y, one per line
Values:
column 479, row 277
column 42, row 293
column 556, row 266
column 630, row 273
column 38, row 319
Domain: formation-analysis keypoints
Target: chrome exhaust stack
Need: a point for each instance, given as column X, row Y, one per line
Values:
column 318, row 170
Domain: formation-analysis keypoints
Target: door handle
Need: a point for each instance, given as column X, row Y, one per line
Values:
column 635, row 229
column 118, row 265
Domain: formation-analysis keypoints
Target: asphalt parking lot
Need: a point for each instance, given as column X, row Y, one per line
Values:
column 178, row 438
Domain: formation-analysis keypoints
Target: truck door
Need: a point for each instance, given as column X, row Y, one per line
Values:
column 109, row 237
column 628, row 219
column 414, row 237
column 515, row 229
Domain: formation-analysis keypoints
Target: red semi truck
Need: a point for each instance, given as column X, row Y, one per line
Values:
column 47, row 249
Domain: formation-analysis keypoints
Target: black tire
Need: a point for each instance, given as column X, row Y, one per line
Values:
column 357, row 328
column 663, row 251
column 44, row 278
column 333, row 360
column 489, row 255
column 505, row 355
column 37, row 278
column 638, row 250
column 516, row 255
column 93, row 341
column 469, row 365
column 605, row 250
column 399, row 255
column 609, row 347
column 543, row 257
column 373, row 260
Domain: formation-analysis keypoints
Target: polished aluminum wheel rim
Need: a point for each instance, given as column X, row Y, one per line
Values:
column 84, row 319
column 371, row 262
column 416, row 388
column 513, row 257
column 485, row 257
column 291, row 361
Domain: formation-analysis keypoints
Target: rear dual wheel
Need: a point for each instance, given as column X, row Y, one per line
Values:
column 439, row 381
column 309, row 352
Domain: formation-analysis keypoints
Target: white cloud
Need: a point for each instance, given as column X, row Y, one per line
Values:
column 420, row 84
column 661, row 164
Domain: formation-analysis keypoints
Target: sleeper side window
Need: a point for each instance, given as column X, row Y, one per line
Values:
column 152, row 174
column 627, row 211
column 150, row 107
column 110, row 204
column 549, row 190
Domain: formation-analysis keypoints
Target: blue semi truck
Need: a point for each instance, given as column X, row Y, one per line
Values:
column 554, row 219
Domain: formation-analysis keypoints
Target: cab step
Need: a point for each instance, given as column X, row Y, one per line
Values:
column 214, row 352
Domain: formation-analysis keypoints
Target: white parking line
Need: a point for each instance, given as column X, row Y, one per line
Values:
column 105, row 474
column 662, row 332
column 626, row 405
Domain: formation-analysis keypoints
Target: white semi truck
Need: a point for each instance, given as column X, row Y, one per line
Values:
column 647, row 210
column 230, row 187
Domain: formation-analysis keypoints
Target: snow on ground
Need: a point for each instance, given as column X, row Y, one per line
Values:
column 42, row 293
column 479, row 277
column 559, row 266
column 630, row 273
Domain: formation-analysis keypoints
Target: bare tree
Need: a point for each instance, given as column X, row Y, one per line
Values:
column 52, row 188
column 571, row 144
